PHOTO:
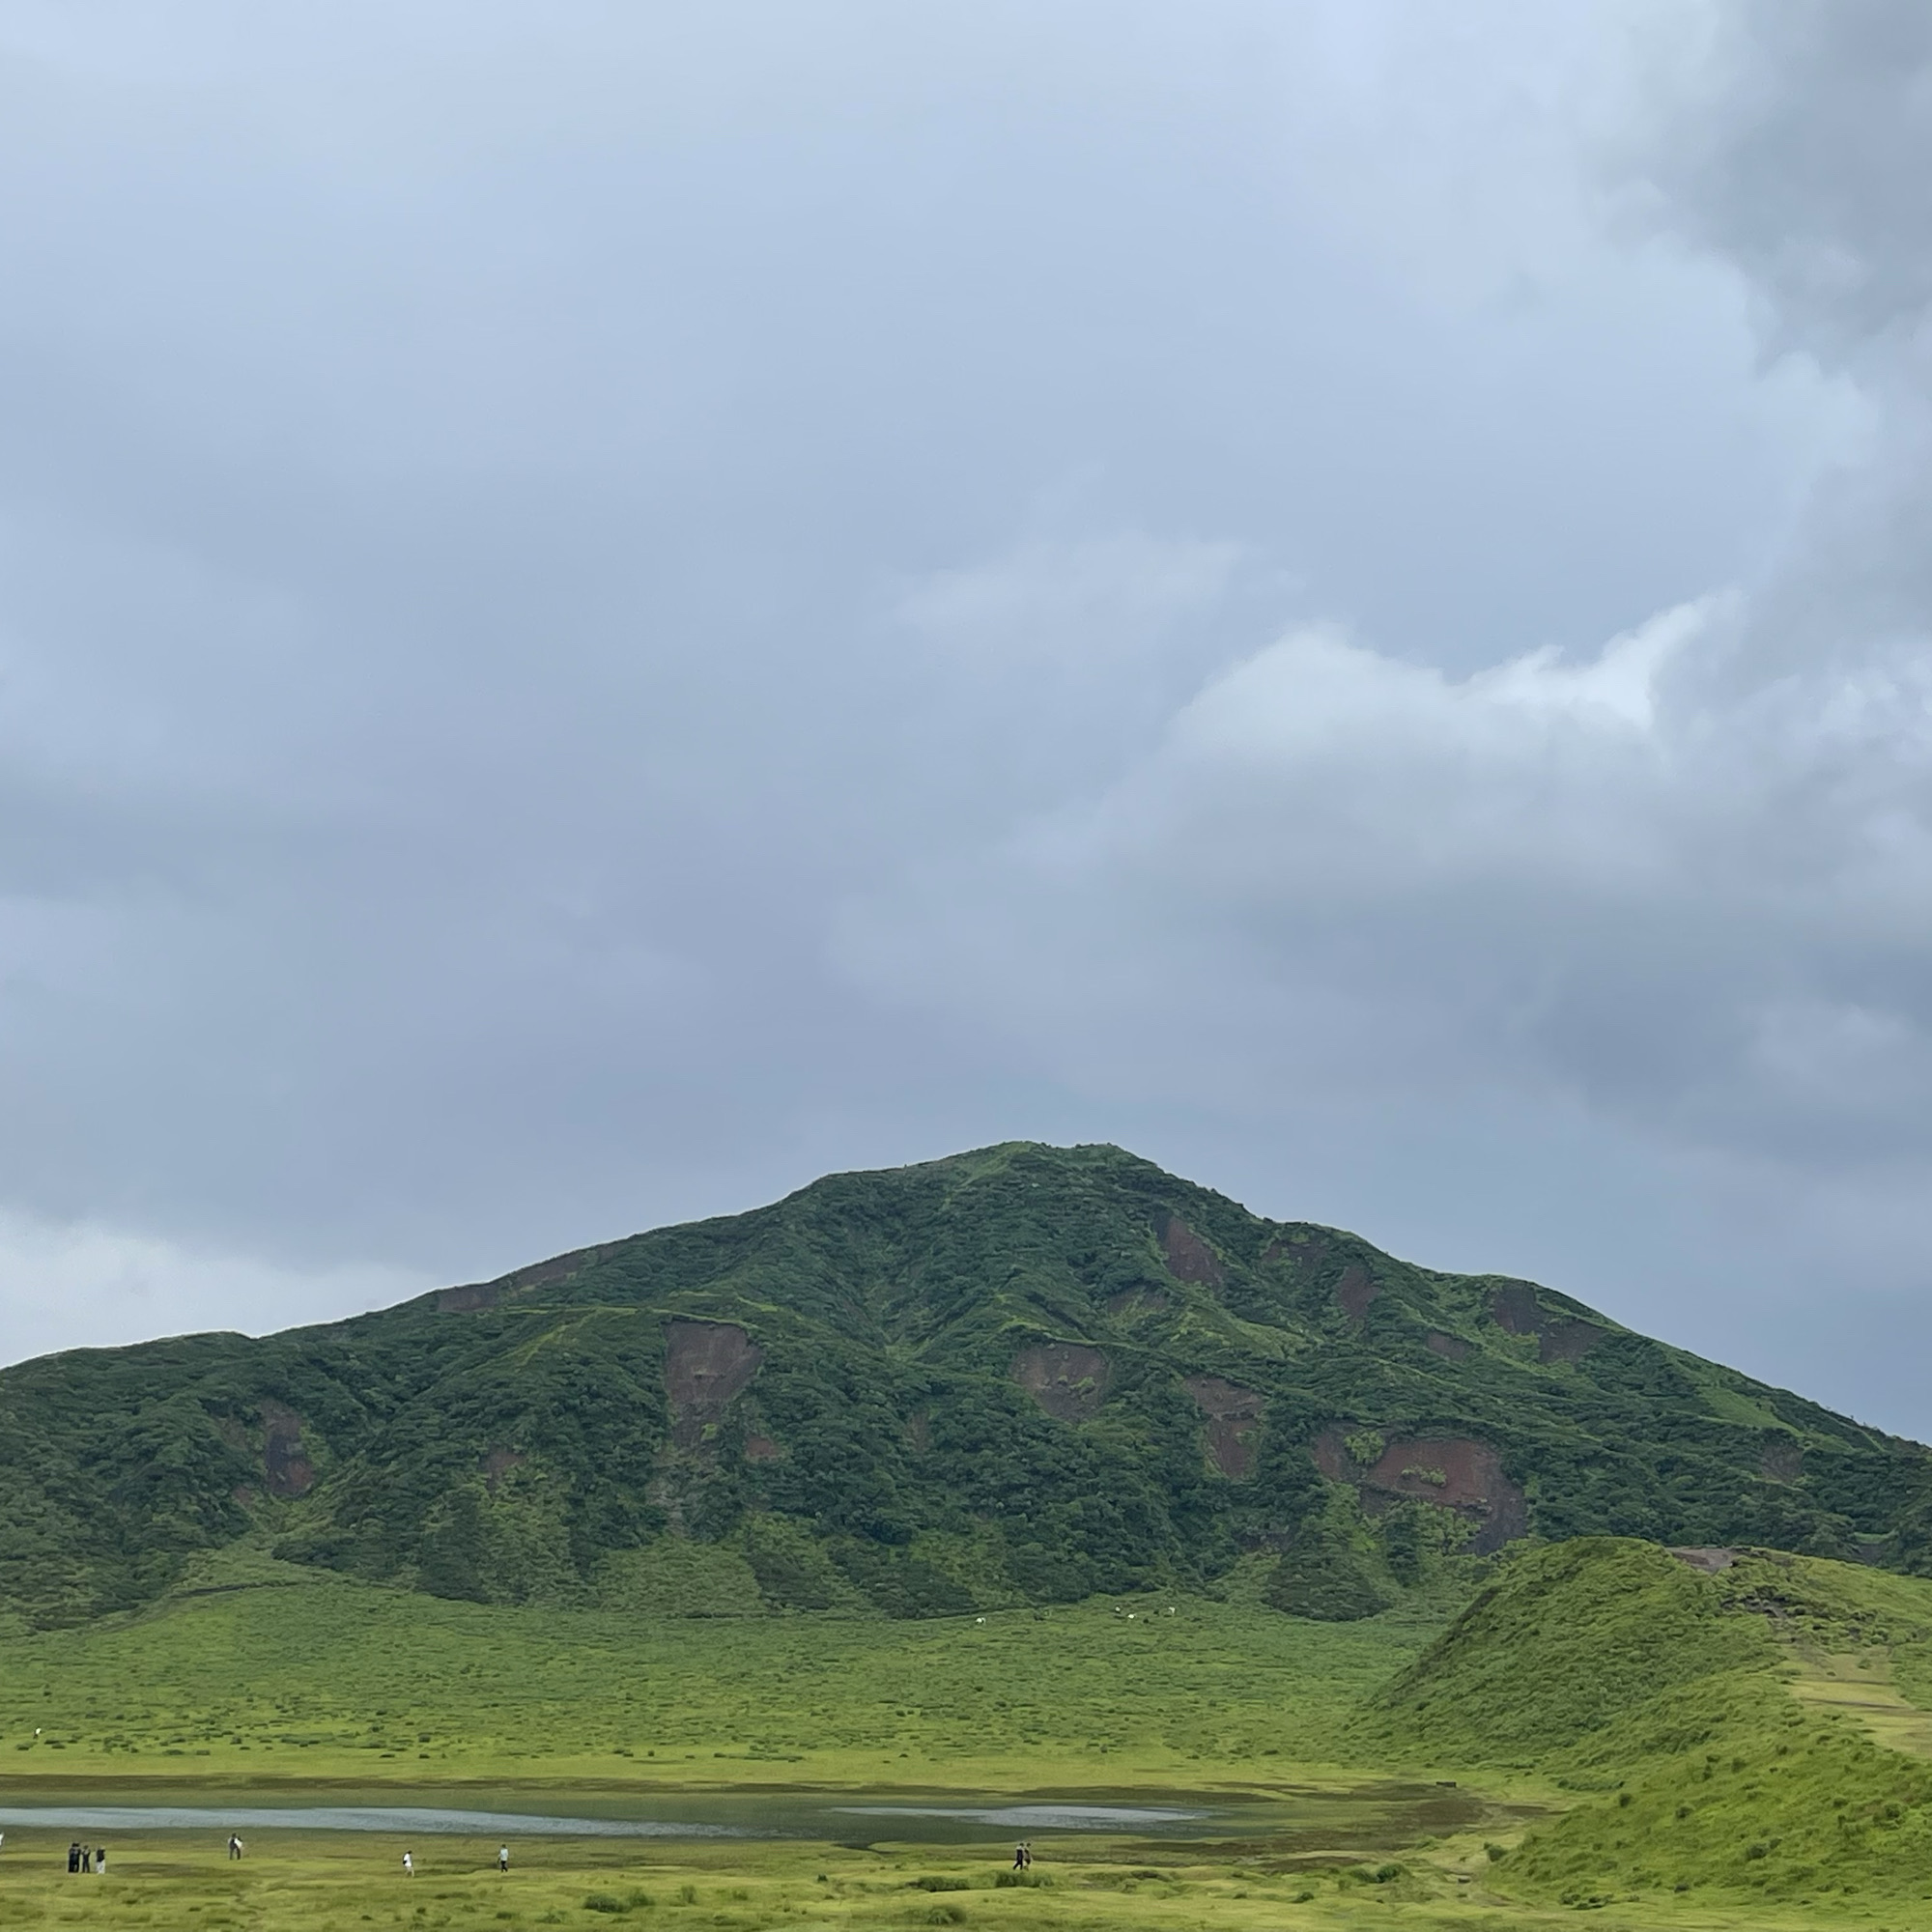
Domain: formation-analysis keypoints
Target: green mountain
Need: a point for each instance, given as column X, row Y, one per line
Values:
column 1026, row 1374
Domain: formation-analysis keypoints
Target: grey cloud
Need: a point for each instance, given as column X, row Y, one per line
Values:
column 1801, row 155
column 594, row 620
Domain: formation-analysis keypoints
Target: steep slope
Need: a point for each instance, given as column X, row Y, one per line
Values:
column 1022, row 1374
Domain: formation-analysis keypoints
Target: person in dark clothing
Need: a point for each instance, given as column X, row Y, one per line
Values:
column 74, row 1856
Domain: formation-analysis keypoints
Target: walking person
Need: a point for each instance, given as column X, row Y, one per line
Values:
column 233, row 1846
column 408, row 1865
column 1019, row 1857
column 502, row 1858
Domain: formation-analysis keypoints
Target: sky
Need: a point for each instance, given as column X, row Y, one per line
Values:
column 607, row 609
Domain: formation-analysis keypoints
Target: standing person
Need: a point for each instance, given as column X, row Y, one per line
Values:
column 74, row 1856
column 100, row 1861
column 233, row 1846
column 502, row 1858
column 408, row 1865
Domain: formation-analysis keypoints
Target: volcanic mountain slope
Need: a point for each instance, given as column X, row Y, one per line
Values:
column 1027, row 1373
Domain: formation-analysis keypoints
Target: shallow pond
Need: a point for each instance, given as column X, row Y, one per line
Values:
column 1373, row 1814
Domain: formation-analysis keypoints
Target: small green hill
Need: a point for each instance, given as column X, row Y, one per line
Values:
column 1562, row 1647
column 1665, row 1696
column 1023, row 1374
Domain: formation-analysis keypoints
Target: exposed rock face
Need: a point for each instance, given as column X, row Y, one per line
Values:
column 468, row 1298
column 1559, row 1338
column 1235, row 1416
column 289, row 1471
column 706, row 1364
column 471, row 1295
column 1451, row 1471
column 1355, row 1291
column 1189, row 1256
column 1067, row 1379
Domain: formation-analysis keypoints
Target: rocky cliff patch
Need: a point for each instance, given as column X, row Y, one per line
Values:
column 1455, row 1472
column 1355, row 1291
column 1559, row 1338
column 289, row 1471
column 706, row 1364
column 1234, row 1422
column 1067, row 1379
column 1189, row 1256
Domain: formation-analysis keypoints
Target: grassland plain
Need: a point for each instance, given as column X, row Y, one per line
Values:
column 1711, row 1747
column 289, row 1671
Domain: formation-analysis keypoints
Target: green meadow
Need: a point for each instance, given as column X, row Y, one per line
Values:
column 270, row 1669
column 1603, row 1729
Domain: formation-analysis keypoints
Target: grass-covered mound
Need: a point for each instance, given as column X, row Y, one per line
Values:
column 1666, row 1697
column 1565, row 1643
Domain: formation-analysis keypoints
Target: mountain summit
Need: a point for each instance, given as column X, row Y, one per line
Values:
column 1023, row 1374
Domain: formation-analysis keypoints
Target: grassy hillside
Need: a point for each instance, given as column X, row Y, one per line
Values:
column 1683, row 1708
column 1021, row 1375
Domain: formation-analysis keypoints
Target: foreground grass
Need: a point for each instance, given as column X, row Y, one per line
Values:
column 294, row 1882
column 298, row 1673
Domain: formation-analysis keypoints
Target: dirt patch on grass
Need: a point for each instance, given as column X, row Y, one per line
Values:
column 1235, row 1416
column 1559, row 1338
column 1189, row 1256
column 1708, row 1559
column 761, row 1449
column 1454, row 1473
column 289, row 1470
column 1782, row 1461
column 706, row 1364
column 1067, row 1379
column 499, row 1463
column 1355, row 1292
column 1451, row 1348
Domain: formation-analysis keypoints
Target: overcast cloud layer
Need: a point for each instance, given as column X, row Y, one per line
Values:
column 604, row 608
